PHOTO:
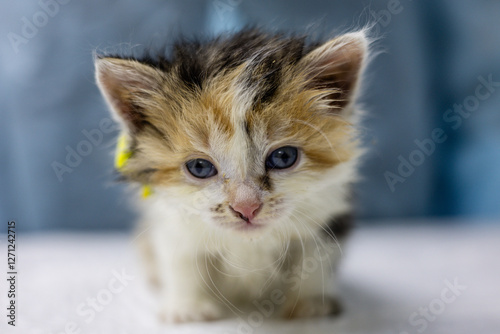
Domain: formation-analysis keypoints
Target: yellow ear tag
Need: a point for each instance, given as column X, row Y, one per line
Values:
column 121, row 157
column 122, row 153
column 146, row 191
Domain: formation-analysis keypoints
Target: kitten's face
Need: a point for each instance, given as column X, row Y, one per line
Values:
column 247, row 143
column 251, row 168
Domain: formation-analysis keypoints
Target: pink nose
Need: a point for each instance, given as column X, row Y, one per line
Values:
column 246, row 210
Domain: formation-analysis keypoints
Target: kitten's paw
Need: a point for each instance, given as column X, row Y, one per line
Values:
column 194, row 311
column 313, row 307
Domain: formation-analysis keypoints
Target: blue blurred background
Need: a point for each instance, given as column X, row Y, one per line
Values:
column 432, row 95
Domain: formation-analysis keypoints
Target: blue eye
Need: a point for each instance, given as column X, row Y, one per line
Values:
column 283, row 157
column 201, row 168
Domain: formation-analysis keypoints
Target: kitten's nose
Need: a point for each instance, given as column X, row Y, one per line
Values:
column 246, row 210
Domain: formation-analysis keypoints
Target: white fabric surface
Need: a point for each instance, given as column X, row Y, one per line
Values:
column 387, row 274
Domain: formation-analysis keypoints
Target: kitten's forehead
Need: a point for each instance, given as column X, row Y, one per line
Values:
column 232, row 101
column 236, row 149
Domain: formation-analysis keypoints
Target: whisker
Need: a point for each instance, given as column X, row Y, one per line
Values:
column 219, row 295
column 326, row 229
column 302, row 268
column 279, row 262
column 314, row 238
column 321, row 133
column 222, row 298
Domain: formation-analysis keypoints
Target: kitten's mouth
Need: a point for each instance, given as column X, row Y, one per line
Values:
column 248, row 225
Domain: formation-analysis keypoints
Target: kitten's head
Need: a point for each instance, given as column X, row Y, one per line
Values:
column 257, row 124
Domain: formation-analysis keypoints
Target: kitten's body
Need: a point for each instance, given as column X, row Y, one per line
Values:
column 250, row 234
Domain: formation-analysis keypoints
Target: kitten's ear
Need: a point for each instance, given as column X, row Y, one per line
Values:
column 125, row 84
column 336, row 66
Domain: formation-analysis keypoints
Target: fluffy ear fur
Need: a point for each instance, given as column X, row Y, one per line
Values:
column 335, row 67
column 126, row 85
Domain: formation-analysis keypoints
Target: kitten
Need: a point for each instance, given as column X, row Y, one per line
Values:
column 248, row 142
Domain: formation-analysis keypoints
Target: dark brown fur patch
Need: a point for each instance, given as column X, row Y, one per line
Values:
column 340, row 226
column 265, row 182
